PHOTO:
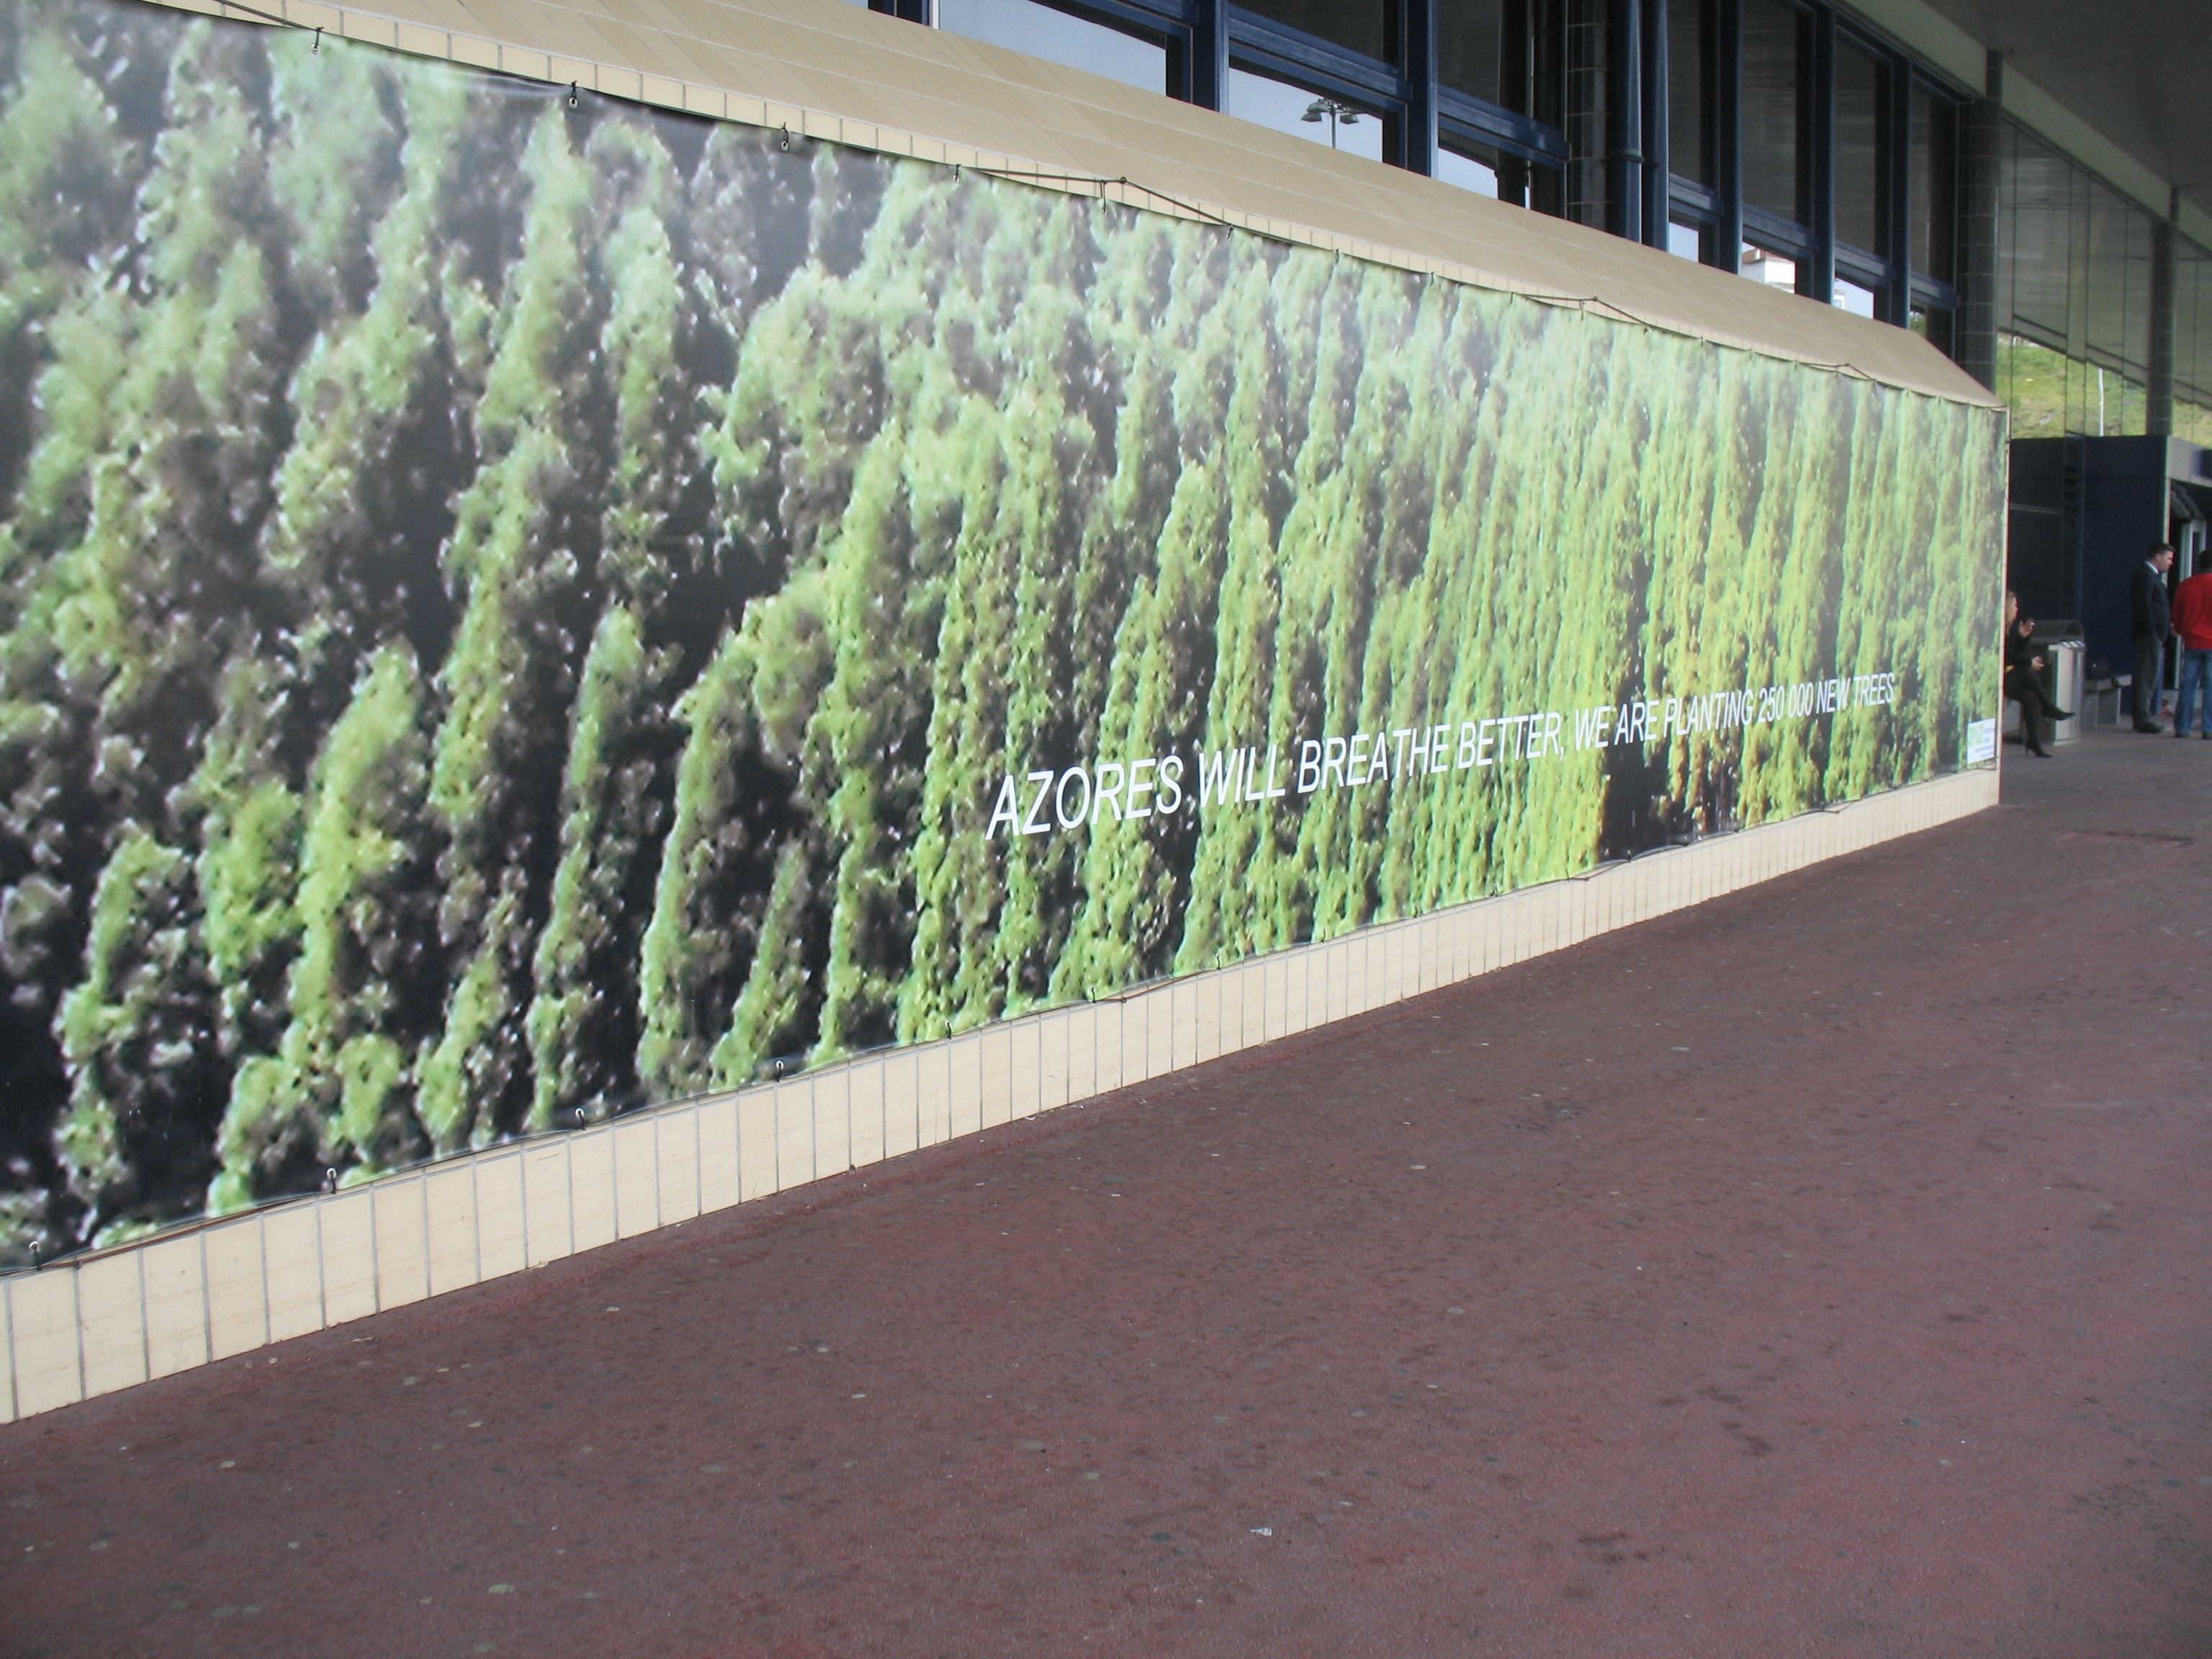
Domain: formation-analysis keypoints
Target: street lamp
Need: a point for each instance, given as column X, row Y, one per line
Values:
column 1335, row 112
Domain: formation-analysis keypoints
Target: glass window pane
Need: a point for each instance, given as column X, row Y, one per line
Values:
column 1935, row 326
column 1934, row 183
column 2037, row 223
column 1774, row 61
column 1358, row 25
column 1849, row 296
column 1773, row 269
column 1501, row 51
column 2031, row 379
column 1296, row 110
column 2074, row 260
column 1497, row 173
column 1467, row 171
column 1862, row 157
column 1687, row 241
column 1040, row 31
column 2118, row 313
column 2192, row 326
column 1689, row 131
column 1470, row 49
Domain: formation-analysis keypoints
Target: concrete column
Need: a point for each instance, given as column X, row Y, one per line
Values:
column 1974, row 327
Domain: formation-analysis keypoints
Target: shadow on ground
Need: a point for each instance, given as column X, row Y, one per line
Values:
column 1816, row 1273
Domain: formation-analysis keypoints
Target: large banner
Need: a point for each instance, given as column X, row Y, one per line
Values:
column 515, row 608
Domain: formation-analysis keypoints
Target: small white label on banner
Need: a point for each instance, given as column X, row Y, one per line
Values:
column 1981, row 741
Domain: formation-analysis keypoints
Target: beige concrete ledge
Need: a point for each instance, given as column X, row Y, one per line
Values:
column 99, row 1323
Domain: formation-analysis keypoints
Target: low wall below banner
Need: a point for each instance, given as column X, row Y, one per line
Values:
column 105, row 1321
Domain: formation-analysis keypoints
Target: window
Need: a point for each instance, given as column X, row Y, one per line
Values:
column 1934, row 183
column 1492, row 170
column 1862, row 157
column 1933, row 325
column 1305, row 113
column 1467, row 171
column 1471, row 50
column 1775, row 54
column 1360, row 25
column 1763, row 266
column 1500, row 52
column 1043, row 32
column 2073, row 297
column 1849, row 296
column 1692, row 150
column 1689, row 121
column 2192, row 342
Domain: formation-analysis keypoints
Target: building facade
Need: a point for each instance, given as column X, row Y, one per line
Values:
column 1875, row 160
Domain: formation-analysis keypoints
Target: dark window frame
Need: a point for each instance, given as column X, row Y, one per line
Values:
column 1418, row 112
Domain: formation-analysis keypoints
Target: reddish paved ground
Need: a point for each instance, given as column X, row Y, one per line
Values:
column 1819, row 1273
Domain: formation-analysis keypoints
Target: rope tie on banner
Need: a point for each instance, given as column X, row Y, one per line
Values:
column 1098, row 182
column 1592, row 302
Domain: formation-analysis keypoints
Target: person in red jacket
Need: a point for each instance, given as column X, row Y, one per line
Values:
column 2192, row 621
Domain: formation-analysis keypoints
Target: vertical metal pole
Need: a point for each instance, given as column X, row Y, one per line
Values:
column 1817, row 167
column 2157, row 415
column 1417, row 142
column 1658, row 161
column 1899, row 206
column 1624, row 119
column 1728, row 132
column 1209, row 54
column 1974, row 337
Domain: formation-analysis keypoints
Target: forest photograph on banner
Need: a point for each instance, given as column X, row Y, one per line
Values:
column 519, row 607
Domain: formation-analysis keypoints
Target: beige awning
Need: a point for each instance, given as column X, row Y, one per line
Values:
column 837, row 71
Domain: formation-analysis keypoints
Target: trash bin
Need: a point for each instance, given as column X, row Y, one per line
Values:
column 2064, row 654
column 2062, row 676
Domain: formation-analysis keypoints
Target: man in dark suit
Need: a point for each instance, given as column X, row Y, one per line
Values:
column 2154, row 622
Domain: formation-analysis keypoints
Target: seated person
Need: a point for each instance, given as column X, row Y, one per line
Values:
column 2023, row 681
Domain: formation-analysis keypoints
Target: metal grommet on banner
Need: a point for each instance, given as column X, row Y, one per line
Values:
column 330, row 1180
column 783, row 138
column 580, row 1117
column 318, row 47
column 572, row 95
